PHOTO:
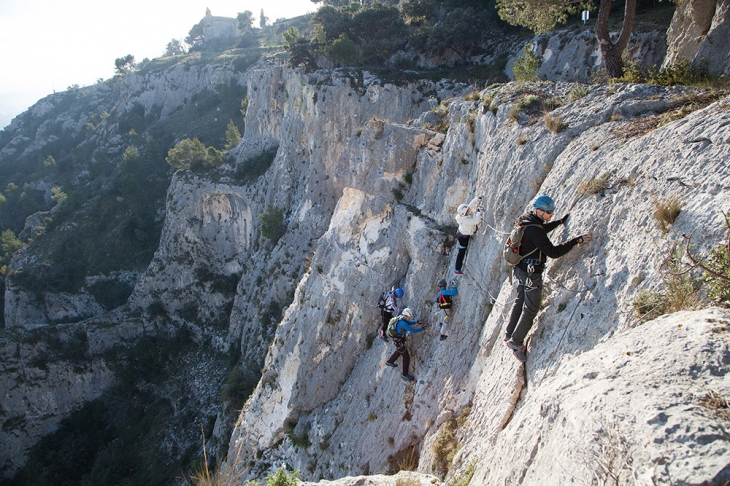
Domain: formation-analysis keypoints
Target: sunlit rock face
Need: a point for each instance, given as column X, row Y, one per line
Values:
column 700, row 32
column 595, row 378
column 367, row 176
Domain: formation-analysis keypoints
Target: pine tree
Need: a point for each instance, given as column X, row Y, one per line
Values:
column 233, row 136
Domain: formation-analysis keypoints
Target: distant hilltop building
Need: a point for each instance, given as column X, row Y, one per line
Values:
column 218, row 28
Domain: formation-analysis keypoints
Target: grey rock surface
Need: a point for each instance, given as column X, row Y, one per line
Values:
column 700, row 32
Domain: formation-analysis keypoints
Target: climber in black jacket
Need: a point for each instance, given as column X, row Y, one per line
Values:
column 536, row 247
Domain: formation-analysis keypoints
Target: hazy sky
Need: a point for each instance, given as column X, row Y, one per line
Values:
column 48, row 45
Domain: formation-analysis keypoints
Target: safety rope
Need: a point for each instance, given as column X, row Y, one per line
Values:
column 506, row 233
column 493, row 299
column 583, row 293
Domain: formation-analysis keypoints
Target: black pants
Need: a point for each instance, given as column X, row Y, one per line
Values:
column 526, row 305
column 386, row 316
column 463, row 244
column 400, row 350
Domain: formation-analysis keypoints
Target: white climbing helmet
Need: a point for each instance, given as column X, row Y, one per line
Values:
column 407, row 313
column 463, row 209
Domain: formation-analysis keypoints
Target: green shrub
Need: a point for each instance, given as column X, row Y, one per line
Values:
column 682, row 288
column 527, row 102
column 238, row 388
column 397, row 194
column 10, row 244
column 283, row 478
column 272, row 224
column 718, row 288
column 718, row 276
column 192, row 154
column 681, row 292
column 682, row 72
column 225, row 284
column 648, row 305
column 445, row 447
column 488, row 101
column 233, row 136
column 577, row 92
column 526, row 67
column 301, row 440
column 464, row 479
column 633, row 73
column 343, row 51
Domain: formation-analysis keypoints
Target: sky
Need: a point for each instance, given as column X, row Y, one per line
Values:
column 49, row 45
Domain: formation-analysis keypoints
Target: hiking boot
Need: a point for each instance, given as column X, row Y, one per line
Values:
column 443, row 337
column 458, row 272
column 408, row 378
column 388, row 363
column 518, row 350
column 507, row 337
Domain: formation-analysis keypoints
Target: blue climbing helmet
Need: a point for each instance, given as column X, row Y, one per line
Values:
column 399, row 292
column 544, row 202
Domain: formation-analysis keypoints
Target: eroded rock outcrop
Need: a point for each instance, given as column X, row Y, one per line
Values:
column 700, row 32
column 569, row 56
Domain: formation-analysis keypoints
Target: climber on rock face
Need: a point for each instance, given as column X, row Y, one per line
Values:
column 443, row 300
column 536, row 247
column 388, row 308
column 468, row 217
column 398, row 329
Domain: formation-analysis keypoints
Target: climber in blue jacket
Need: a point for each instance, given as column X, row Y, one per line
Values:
column 398, row 329
column 444, row 301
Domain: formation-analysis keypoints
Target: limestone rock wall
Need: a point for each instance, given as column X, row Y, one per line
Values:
column 328, row 406
column 700, row 32
column 569, row 56
column 368, row 176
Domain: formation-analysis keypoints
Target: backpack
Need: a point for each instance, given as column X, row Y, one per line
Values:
column 444, row 301
column 382, row 300
column 393, row 326
column 511, row 250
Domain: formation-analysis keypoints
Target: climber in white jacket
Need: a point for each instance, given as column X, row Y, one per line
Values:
column 468, row 216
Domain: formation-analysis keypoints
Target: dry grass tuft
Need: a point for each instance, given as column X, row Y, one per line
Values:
column 667, row 211
column 555, row 124
column 719, row 405
column 404, row 460
column 595, row 186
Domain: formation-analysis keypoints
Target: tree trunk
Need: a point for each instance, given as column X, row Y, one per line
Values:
column 611, row 52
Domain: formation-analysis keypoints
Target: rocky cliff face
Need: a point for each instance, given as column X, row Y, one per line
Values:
column 211, row 243
column 700, row 32
column 567, row 56
column 366, row 177
column 581, row 407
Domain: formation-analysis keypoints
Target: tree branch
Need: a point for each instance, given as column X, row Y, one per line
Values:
column 699, row 264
